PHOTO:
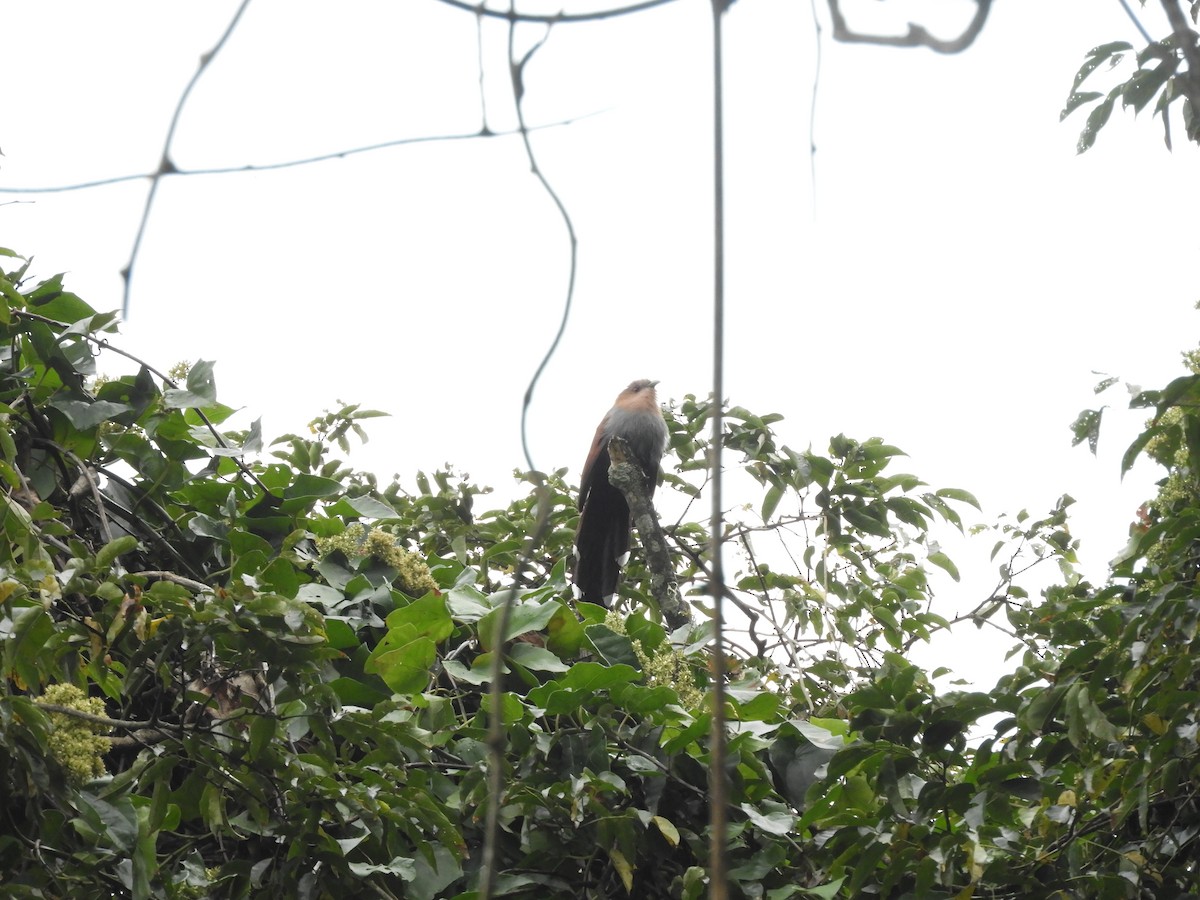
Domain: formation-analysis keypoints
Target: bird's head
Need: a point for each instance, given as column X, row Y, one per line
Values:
column 637, row 387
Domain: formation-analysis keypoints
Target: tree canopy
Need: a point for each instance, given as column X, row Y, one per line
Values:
column 234, row 667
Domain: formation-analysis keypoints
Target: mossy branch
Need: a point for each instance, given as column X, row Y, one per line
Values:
column 627, row 476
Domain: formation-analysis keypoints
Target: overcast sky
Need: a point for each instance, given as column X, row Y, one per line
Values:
column 950, row 284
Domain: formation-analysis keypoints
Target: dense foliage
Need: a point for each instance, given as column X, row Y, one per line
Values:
column 233, row 668
column 1166, row 71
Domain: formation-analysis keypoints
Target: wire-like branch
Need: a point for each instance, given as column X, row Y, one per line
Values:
column 718, row 784
column 484, row 132
column 165, row 165
column 517, row 73
column 1136, row 22
column 812, row 109
column 917, row 36
column 511, row 15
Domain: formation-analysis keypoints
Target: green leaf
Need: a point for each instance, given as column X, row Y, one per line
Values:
column 1139, row 444
column 1144, row 84
column 538, row 659
column 827, row 891
column 201, row 390
column 427, row 616
column 402, row 866
column 406, row 669
column 666, row 829
column 616, row 649
column 365, row 507
column 940, row 733
column 1076, row 100
column 1096, row 56
column 942, row 561
column 1087, row 427
column 262, row 732
column 779, row 822
column 1096, row 120
column 960, row 495
column 84, row 414
column 114, row 548
column 311, row 486
column 771, row 500
column 525, row 616
column 564, row 634
column 51, row 301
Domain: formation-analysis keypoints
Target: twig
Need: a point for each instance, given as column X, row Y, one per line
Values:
column 511, row 15
column 517, row 73
column 812, row 109
column 165, row 165
column 124, row 724
column 484, row 132
column 483, row 116
column 1136, row 22
column 197, row 586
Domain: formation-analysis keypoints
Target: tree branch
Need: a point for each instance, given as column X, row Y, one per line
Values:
column 484, row 132
column 165, row 165
column 917, row 35
column 627, row 476
column 197, row 586
column 1185, row 38
column 511, row 15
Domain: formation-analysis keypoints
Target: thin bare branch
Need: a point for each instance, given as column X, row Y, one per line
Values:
column 197, row 586
column 517, row 73
column 123, row 724
column 484, row 132
column 165, row 165
column 718, row 784
column 812, row 109
column 511, row 15
column 917, row 36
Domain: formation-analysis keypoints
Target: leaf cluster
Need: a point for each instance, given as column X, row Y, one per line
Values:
column 1166, row 72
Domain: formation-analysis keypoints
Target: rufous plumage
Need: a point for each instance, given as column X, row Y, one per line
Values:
column 602, row 538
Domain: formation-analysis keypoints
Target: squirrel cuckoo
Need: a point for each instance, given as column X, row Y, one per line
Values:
column 604, row 519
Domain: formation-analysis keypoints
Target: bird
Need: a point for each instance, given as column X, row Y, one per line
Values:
column 602, row 537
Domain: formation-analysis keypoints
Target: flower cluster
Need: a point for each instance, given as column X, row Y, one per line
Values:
column 413, row 575
column 76, row 744
column 666, row 666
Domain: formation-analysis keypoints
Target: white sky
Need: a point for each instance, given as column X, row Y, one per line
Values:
column 958, row 277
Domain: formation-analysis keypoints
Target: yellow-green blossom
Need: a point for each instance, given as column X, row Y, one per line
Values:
column 413, row 575
column 666, row 666
column 76, row 744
